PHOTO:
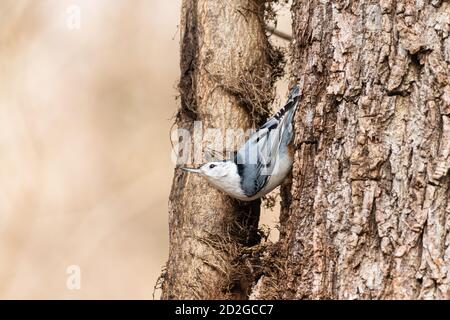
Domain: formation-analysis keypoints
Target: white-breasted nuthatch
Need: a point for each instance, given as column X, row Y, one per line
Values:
column 262, row 163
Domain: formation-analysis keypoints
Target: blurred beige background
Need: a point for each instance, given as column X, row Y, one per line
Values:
column 85, row 174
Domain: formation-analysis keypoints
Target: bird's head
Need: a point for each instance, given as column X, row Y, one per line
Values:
column 223, row 175
column 214, row 171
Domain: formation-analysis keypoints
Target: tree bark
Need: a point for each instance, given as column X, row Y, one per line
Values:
column 227, row 73
column 367, row 214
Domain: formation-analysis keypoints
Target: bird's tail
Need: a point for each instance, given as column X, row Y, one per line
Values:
column 294, row 93
column 292, row 102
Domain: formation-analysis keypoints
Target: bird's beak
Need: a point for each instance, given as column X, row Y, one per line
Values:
column 191, row 170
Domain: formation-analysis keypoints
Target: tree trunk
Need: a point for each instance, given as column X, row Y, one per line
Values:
column 227, row 73
column 367, row 215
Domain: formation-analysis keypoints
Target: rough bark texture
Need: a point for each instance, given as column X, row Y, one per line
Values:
column 368, row 212
column 227, row 73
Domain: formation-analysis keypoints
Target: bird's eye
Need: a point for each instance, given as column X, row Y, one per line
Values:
column 212, row 166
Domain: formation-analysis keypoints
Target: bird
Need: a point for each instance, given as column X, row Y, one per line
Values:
column 262, row 163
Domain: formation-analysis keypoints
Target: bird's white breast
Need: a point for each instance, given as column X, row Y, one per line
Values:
column 230, row 184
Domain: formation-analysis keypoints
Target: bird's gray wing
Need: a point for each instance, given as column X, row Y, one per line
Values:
column 256, row 158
